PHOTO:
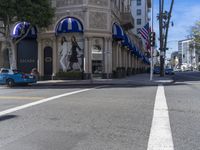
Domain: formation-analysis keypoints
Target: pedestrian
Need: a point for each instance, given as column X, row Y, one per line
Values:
column 74, row 54
column 64, row 52
column 35, row 73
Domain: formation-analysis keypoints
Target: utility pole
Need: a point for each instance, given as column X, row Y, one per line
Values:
column 161, row 5
column 164, row 21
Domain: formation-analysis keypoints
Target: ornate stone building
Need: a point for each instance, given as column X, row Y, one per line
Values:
column 90, row 36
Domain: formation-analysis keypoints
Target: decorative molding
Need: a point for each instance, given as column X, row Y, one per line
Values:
column 61, row 3
column 102, row 3
column 97, row 20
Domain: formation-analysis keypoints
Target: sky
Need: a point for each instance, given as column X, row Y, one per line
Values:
column 184, row 15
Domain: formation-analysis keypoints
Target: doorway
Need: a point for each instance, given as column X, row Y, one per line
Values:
column 48, row 62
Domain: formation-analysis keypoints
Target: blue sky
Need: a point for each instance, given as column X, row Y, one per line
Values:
column 185, row 14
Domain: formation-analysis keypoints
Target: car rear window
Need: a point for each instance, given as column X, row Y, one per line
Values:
column 4, row 71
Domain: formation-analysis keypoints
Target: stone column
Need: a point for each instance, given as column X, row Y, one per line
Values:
column 105, row 58
column 131, row 55
column 136, row 63
column 109, row 57
column 87, row 57
column 120, row 56
column 126, row 58
column 117, row 55
column 55, row 57
column 113, row 50
column 129, row 59
column 40, row 63
column 123, row 56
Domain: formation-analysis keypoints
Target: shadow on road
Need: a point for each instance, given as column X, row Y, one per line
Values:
column 7, row 117
column 186, row 76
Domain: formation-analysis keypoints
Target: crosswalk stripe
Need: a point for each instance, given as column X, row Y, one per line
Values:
column 11, row 110
column 160, row 135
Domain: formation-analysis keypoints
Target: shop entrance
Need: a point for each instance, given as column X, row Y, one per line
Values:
column 97, row 57
column 27, row 55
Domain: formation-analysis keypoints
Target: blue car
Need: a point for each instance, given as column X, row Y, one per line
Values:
column 12, row 77
column 169, row 71
column 156, row 70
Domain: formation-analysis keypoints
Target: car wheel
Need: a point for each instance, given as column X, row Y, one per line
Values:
column 10, row 83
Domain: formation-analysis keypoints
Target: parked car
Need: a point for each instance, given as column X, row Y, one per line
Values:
column 169, row 71
column 12, row 77
column 156, row 70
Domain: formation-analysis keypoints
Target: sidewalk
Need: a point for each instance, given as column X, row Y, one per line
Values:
column 139, row 79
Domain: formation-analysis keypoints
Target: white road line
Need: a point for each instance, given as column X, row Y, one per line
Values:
column 160, row 135
column 11, row 110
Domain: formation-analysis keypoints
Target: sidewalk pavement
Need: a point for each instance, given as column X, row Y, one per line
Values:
column 139, row 80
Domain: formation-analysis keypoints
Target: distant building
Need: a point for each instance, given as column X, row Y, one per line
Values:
column 187, row 53
column 174, row 60
column 141, row 9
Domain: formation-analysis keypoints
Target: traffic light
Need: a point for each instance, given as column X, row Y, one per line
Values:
column 152, row 38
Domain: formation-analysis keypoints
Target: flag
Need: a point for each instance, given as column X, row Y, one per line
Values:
column 144, row 32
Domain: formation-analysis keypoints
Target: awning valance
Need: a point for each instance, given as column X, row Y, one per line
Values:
column 118, row 32
column 69, row 24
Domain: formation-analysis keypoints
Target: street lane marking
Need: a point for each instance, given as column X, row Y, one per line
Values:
column 11, row 110
column 21, row 97
column 160, row 135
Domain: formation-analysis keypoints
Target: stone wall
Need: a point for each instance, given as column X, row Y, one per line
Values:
column 101, row 3
column 97, row 20
column 62, row 3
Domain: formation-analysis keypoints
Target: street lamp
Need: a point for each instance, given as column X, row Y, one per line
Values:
column 152, row 47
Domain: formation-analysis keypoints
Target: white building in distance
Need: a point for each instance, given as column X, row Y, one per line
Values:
column 188, row 54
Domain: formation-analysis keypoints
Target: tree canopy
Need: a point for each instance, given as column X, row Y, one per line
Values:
column 36, row 12
column 196, row 32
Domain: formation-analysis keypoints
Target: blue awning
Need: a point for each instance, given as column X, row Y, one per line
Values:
column 130, row 44
column 21, row 28
column 125, row 41
column 118, row 32
column 69, row 24
column 138, row 53
column 135, row 51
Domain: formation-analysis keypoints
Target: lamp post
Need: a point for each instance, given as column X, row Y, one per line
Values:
column 152, row 48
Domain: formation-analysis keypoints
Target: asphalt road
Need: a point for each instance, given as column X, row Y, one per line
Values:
column 115, row 117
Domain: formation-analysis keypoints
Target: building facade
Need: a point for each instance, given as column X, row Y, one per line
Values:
column 174, row 60
column 187, row 54
column 88, row 36
column 140, row 11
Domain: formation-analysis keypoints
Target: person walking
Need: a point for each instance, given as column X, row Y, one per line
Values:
column 74, row 54
column 64, row 52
